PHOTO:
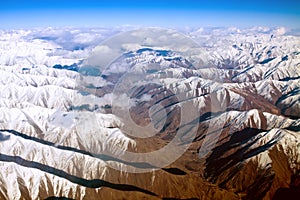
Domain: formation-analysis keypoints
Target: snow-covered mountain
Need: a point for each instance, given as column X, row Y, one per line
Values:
column 149, row 113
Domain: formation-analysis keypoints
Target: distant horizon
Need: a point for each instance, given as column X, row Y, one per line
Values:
column 277, row 30
column 91, row 13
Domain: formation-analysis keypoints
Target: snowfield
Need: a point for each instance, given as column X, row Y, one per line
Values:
column 80, row 109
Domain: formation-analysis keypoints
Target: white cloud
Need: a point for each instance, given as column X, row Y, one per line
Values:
column 145, row 97
column 280, row 31
column 117, row 100
column 103, row 49
column 50, row 46
column 132, row 46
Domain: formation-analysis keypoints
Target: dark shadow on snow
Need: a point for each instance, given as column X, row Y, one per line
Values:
column 95, row 183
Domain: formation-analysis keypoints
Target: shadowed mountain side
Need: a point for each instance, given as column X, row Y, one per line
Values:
column 58, row 198
column 239, row 143
column 99, row 156
column 4, row 137
column 287, row 193
column 95, row 183
column 143, row 165
column 287, row 109
column 174, row 171
column 180, row 199
column 254, row 164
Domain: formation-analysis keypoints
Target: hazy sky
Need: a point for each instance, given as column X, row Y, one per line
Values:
column 37, row 13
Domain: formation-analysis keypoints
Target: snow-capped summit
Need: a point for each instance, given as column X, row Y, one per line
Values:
column 148, row 112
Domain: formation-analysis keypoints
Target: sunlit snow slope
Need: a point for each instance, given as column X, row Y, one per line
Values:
column 66, row 127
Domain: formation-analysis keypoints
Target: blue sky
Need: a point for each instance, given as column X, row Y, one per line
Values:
column 39, row 13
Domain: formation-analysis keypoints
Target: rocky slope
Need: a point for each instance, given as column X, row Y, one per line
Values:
column 158, row 122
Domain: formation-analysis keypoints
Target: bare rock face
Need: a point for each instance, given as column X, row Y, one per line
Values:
column 232, row 125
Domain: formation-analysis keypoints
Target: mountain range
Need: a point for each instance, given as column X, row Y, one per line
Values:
column 149, row 114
